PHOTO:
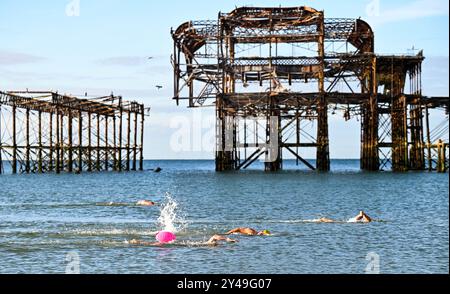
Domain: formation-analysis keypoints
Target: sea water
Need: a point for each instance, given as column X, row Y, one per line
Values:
column 46, row 218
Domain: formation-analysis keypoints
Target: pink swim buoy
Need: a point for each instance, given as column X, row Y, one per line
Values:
column 165, row 237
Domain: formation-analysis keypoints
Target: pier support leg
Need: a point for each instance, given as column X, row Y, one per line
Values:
column 27, row 138
column 70, row 143
column 98, row 164
column 399, row 135
column 141, row 148
column 135, row 141
column 417, row 156
column 40, row 170
column 14, row 139
column 51, row 145
column 106, row 144
column 80, row 142
column 120, row 138
column 323, row 153
column 114, row 144
column 89, row 147
column 274, row 160
column 128, row 141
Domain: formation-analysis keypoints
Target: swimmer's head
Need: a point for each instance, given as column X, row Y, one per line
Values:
column 264, row 233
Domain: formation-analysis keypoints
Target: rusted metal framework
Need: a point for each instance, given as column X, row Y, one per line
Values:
column 44, row 132
column 275, row 74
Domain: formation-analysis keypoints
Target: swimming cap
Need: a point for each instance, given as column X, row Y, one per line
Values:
column 266, row 232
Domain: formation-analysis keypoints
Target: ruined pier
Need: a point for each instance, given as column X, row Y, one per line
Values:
column 43, row 132
column 275, row 75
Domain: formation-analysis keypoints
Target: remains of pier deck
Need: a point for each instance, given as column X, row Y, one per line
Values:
column 44, row 132
column 287, row 69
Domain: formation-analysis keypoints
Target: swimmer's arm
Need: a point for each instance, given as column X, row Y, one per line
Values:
column 233, row 231
column 143, row 243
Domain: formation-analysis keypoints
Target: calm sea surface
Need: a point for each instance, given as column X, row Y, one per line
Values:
column 43, row 218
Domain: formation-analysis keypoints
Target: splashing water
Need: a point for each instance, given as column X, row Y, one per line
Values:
column 170, row 219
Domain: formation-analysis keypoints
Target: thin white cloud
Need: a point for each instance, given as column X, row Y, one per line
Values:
column 15, row 58
column 412, row 11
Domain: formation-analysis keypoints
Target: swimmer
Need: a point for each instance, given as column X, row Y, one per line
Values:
column 248, row 232
column 145, row 203
column 214, row 240
column 362, row 217
column 143, row 243
column 325, row 220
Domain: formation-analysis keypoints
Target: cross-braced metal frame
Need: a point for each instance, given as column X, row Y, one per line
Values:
column 285, row 67
column 44, row 132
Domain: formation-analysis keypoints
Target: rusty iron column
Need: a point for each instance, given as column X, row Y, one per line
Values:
column 429, row 155
column 106, row 144
column 441, row 151
column 70, row 141
column 273, row 125
column 98, row 165
column 80, row 142
column 63, row 144
column 58, row 144
column 128, row 141
column 1, row 144
column 14, row 140
column 323, row 154
column 114, row 143
column 40, row 142
column 51, row 164
column 89, row 147
column 120, row 135
column 141, row 148
column 369, row 120
column 27, row 138
column 135, row 141
column 417, row 159
column 399, row 134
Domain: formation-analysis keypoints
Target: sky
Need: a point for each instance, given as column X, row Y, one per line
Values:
column 102, row 46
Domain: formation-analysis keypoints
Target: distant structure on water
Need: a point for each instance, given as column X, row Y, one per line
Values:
column 274, row 75
column 44, row 132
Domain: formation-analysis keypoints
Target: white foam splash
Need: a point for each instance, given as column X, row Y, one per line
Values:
column 170, row 218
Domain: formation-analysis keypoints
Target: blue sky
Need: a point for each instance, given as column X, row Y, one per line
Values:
column 106, row 47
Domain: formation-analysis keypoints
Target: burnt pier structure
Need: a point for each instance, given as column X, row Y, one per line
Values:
column 274, row 75
column 42, row 132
